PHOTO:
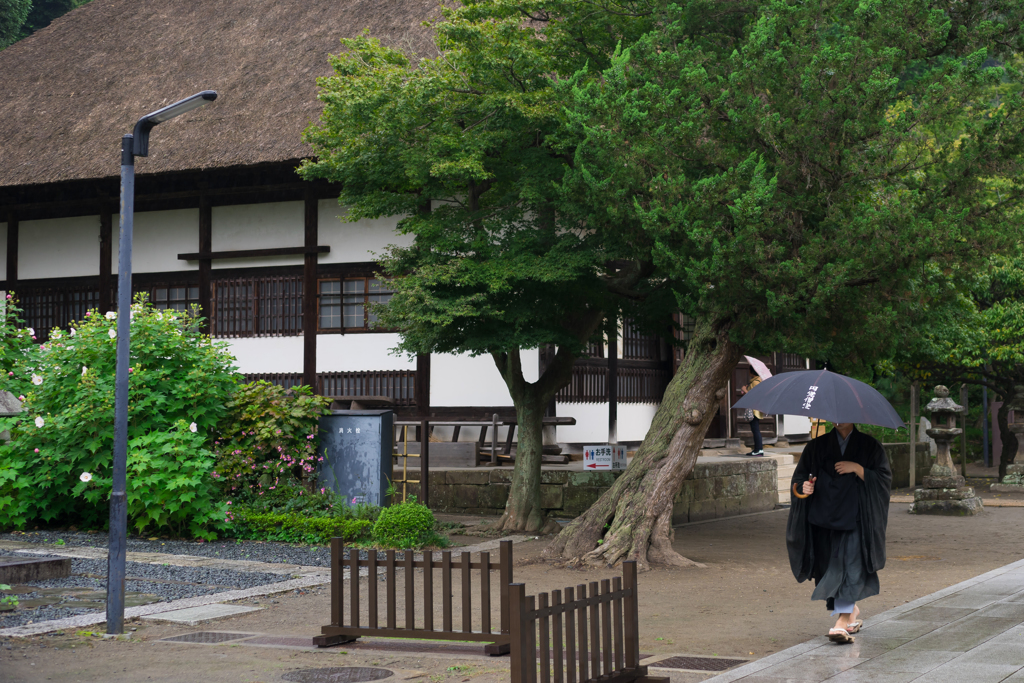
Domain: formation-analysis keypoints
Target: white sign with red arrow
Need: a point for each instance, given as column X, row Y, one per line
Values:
column 606, row 457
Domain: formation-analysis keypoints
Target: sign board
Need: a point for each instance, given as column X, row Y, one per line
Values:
column 606, row 457
column 356, row 447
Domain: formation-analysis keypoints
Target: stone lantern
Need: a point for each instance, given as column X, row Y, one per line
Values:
column 944, row 491
column 1013, row 482
column 9, row 407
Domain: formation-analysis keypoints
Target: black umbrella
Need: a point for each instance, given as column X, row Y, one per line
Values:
column 821, row 394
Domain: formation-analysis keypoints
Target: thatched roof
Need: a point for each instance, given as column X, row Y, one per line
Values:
column 70, row 91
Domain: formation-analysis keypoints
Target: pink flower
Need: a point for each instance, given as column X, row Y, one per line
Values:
column 37, row 450
column 229, row 502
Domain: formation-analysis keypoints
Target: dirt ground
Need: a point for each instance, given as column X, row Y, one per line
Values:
column 745, row 603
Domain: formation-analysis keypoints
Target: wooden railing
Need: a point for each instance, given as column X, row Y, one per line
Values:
column 639, row 382
column 345, row 628
column 397, row 384
column 590, row 636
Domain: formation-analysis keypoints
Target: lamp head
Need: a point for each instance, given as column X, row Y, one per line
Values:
column 140, row 144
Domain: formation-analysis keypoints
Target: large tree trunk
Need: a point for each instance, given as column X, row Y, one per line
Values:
column 523, row 511
column 638, row 506
column 1009, row 439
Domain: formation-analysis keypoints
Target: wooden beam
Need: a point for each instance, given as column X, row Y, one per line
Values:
column 205, row 247
column 12, row 250
column 106, row 252
column 309, row 291
column 206, row 255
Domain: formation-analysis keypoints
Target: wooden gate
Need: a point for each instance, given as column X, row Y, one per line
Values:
column 422, row 625
column 591, row 636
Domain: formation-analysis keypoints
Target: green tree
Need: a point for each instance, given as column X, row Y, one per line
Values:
column 470, row 145
column 978, row 338
column 12, row 15
column 805, row 171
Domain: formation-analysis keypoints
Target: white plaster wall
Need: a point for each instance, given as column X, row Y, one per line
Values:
column 349, row 352
column 355, row 242
column 257, row 226
column 267, row 354
column 59, row 247
column 591, row 423
column 157, row 239
column 796, row 424
column 634, row 420
column 3, row 251
column 463, row 380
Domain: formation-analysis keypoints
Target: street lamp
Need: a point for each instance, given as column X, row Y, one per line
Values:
column 136, row 144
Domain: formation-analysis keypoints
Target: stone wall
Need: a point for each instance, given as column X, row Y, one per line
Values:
column 717, row 489
column 899, row 454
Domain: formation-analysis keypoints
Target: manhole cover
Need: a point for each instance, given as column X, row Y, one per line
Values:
column 698, row 663
column 337, row 674
column 206, row 637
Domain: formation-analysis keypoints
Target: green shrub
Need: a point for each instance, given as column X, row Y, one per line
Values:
column 406, row 525
column 180, row 382
column 294, row 527
column 268, row 439
column 16, row 341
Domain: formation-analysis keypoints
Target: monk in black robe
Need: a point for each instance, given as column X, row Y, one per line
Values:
column 836, row 529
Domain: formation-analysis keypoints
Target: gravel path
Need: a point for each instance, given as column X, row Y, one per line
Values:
column 168, row 582
column 266, row 551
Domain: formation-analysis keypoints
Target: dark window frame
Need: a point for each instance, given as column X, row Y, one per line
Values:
column 338, row 299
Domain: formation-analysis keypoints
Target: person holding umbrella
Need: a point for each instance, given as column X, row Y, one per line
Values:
column 835, row 534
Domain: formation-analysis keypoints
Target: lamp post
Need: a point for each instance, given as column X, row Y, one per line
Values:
column 136, row 144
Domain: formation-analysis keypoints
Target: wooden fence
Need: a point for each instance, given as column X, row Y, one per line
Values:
column 346, row 628
column 638, row 382
column 398, row 384
column 590, row 636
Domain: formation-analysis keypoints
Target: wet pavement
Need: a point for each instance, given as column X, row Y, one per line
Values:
column 972, row 631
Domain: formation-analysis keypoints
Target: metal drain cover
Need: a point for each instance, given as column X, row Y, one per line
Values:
column 206, row 637
column 338, row 674
column 698, row 663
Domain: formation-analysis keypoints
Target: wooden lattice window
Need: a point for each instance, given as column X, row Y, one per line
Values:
column 257, row 307
column 343, row 303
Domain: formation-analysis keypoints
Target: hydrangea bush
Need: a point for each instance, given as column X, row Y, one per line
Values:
column 268, row 441
column 56, row 469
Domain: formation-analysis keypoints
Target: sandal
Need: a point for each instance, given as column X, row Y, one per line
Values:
column 840, row 636
column 854, row 626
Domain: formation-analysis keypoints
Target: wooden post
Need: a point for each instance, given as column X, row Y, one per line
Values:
column 517, row 612
column 425, row 462
column 106, row 249
column 613, row 383
column 205, row 264
column 309, row 294
column 631, row 615
column 12, row 250
column 494, row 439
column 422, row 388
column 337, row 582
column 963, row 435
column 915, row 388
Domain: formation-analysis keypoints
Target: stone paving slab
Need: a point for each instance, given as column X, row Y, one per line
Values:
column 193, row 616
column 972, row 631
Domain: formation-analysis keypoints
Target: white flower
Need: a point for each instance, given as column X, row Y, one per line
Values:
column 111, row 333
column 84, row 370
column 72, row 332
column 85, row 476
column 159, row 316
column 37, row 380
column 111, row 315
column 193, row 428
column 31, row 331
column 39, row 422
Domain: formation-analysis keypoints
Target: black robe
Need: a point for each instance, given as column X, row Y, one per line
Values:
column 813, row 548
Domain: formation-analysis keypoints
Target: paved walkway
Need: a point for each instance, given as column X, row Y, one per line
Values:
column 972, row 632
